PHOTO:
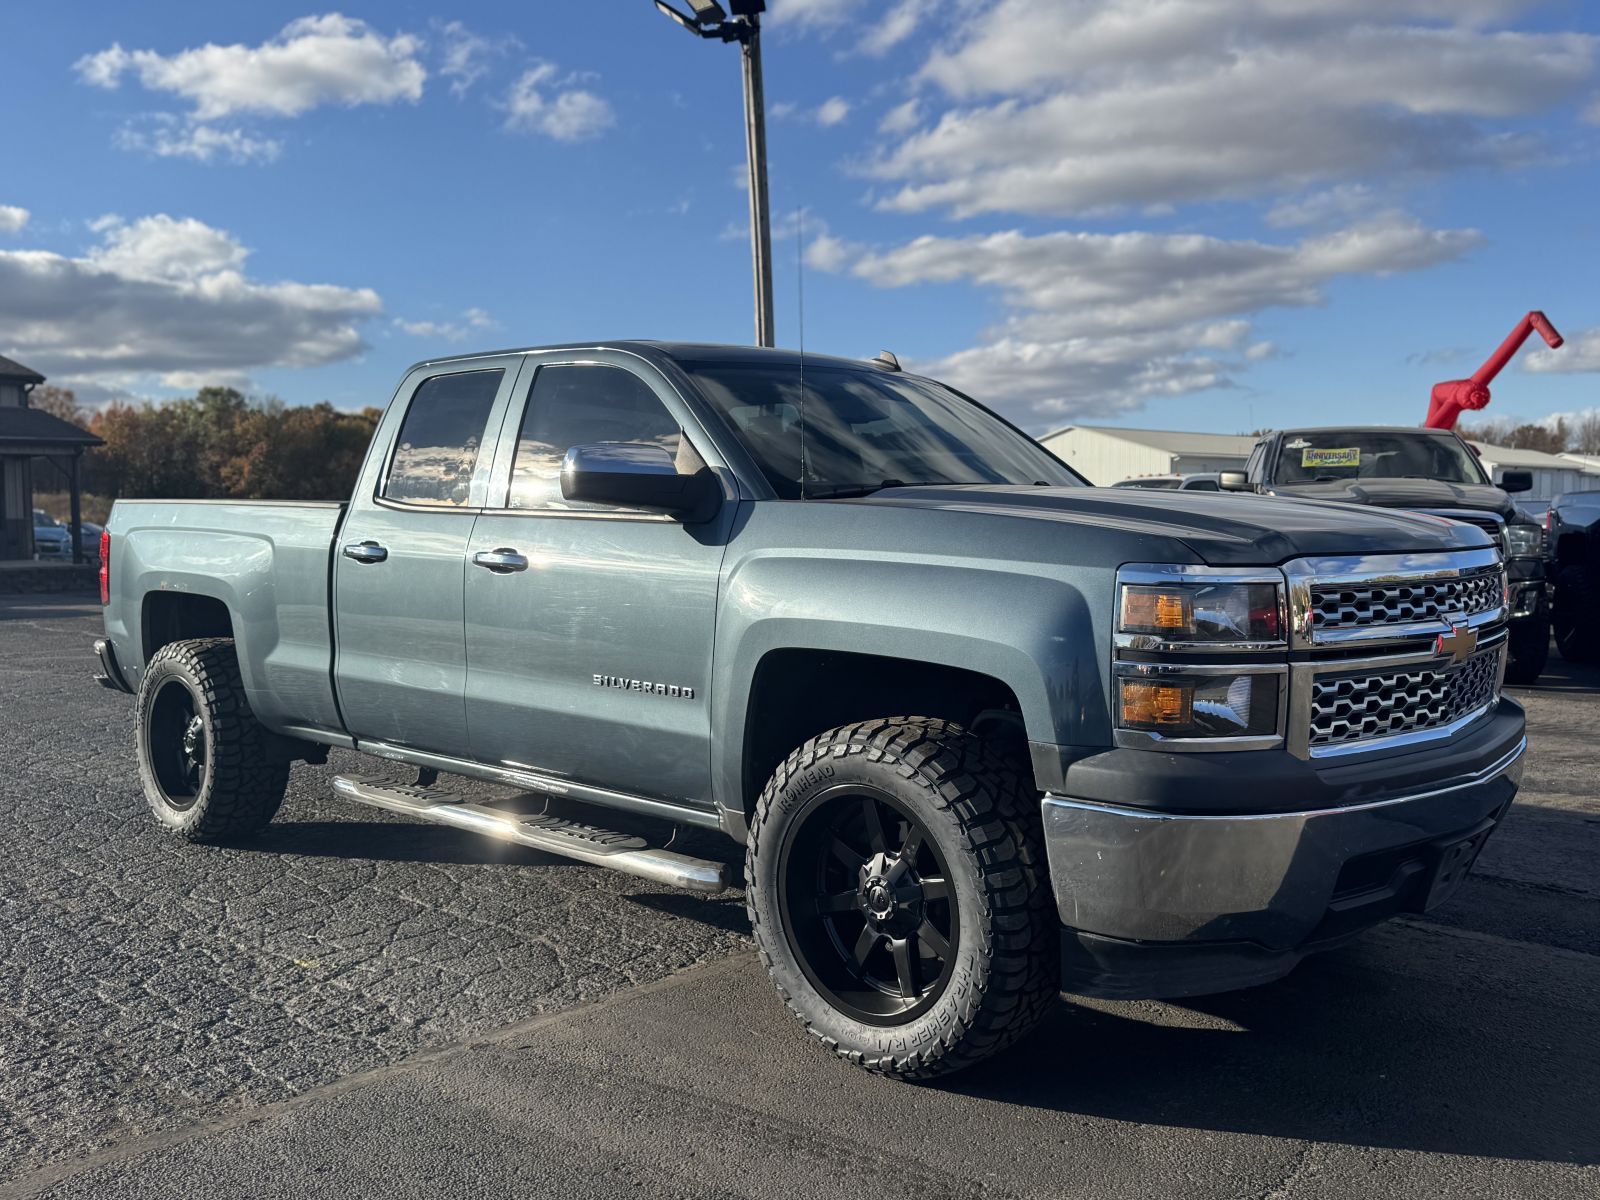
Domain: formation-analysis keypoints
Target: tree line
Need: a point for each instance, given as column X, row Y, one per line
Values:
column 1578, row 436
column 217, row 444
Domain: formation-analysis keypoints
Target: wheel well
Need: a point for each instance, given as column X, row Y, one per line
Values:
column 178, row 616
column 797, row 694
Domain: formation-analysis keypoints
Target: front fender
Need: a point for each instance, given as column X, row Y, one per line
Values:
column 1035, row 632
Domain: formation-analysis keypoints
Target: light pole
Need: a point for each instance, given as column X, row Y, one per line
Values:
column 744, row 26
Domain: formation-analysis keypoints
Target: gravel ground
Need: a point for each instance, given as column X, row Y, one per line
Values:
column 352, row 1005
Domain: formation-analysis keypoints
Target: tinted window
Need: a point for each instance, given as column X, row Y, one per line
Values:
column 866, row 429
column 437, row 450
column 573, row 405
column 1201, row 485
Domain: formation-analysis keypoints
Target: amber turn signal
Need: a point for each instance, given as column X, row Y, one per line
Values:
column 1156, row 705
column 1155, row 608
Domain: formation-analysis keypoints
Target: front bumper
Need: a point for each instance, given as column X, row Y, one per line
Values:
column 1164, row 903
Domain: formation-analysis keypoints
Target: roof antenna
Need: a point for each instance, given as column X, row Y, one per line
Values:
column 800, row 284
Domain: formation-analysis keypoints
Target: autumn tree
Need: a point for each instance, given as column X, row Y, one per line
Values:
column 59, row 402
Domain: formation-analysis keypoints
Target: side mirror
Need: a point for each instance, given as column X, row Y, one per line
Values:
column 1233, row 481
column 635, row 475
column 1516, row 481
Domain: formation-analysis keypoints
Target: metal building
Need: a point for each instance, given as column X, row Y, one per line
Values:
column 1107, row 454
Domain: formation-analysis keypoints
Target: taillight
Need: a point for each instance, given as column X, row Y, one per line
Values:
column 105, row 566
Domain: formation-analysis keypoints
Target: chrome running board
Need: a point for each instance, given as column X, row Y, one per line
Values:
column 554, row 835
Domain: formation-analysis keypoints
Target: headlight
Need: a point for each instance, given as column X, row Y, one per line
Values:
column 1188, row 611
column 1524, row 541
column 1166, row 702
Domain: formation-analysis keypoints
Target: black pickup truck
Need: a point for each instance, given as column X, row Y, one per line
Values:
column 1431, row 471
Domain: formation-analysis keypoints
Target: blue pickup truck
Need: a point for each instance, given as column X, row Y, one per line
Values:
column 984, row 732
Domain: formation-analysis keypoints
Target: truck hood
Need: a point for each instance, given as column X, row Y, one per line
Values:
column 1405, row 493
column 1221, row 528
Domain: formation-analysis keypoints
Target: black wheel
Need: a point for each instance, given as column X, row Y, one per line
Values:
column 898, row 891
column 1528, row 650
column 1574, row 613
column 208, row 768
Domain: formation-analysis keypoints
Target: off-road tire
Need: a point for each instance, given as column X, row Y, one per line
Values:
column 1528, row 651
column 1575, row 613
column 243, row 777
column 981, row 812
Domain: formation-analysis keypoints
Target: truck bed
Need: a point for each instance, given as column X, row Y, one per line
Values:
column 267, row 562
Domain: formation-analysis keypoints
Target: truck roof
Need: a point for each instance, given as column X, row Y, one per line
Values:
column 1362, row 429
column 680, row 352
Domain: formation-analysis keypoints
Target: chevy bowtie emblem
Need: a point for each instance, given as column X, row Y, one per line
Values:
column 1458, row 644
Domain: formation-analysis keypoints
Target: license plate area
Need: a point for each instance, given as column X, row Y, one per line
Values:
column 1454, row 864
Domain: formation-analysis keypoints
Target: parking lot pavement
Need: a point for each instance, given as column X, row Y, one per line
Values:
column 348, row 1008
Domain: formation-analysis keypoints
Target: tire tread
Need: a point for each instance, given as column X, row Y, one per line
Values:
column 997, row 809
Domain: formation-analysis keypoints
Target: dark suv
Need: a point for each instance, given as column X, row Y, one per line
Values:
column 1572, row 533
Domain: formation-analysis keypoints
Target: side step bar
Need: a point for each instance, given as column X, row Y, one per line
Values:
column 554, row 835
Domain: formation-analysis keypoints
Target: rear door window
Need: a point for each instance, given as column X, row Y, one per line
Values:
column 436, row 452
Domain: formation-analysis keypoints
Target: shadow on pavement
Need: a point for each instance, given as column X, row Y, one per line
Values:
column 1327, row 1055
column 47, row 607
column 1560, row 675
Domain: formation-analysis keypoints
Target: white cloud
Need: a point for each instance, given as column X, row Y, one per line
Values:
column 832, row 111
column 895, row 26
column 167, row 136
column 1075, row 106
column 1581, row 353
column 813, row 15
column 169, row 298
column 569, row 114
column 875, row 31
column 465, row 55
column 829, row 113
column 1099, row 322
column 330, row 59
column 12, row 218
column 1316, row 208
column 450, row 331
column 902, row 118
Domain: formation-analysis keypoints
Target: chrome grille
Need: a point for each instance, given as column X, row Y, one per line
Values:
column 1385, row 703
column 1336, row 605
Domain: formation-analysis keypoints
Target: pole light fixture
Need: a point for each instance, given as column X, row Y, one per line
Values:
column 741, row 22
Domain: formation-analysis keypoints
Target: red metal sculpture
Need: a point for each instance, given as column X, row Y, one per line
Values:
column 1456, row 396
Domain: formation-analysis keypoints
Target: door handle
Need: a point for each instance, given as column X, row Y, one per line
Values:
column 367, row 552
column 502, row 561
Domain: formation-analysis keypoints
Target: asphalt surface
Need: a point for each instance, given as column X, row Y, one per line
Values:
column 356, row 1005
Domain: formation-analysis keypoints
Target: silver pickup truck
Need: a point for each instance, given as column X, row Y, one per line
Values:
column 983, row 731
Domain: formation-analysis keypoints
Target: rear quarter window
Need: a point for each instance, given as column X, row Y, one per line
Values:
column 436, row 451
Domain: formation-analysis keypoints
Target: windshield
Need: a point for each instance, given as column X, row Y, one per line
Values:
column 867, row 429
column 1330, row 455
column 43, row 520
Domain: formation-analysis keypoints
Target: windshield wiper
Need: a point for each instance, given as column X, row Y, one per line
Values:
column 847, row 491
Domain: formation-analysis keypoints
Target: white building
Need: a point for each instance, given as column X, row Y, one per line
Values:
column 1591, row 464
column 1552, row 473
column 1107, row 455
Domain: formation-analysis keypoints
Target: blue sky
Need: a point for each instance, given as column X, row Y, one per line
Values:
column 1202, row 214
